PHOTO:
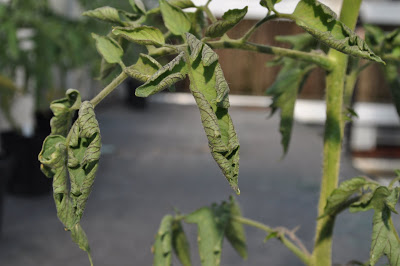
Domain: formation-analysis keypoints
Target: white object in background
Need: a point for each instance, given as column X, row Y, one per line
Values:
column 22, row 112
column 380, row 12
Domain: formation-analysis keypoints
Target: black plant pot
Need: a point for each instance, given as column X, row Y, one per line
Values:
column 6, row 165
column 26, row 177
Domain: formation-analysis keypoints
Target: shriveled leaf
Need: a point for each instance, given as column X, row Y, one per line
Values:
column 63, row 111
column 163, row 245
column 144, row 35
column 340, row 195
column 145, row 67
column 80, row 238
column 211, row 223
column 284, row 91
column 180, row 244
column 109, row 48
column 106, row 13
column 234, row 230
column 83, row 156
column 229, row 20
column 174, row 18
column 320, row 21
column 212, row 99
column 166, row 76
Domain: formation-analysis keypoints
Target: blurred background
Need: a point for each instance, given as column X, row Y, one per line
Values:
column 155, row 154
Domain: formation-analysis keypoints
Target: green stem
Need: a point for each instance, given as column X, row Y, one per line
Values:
column 256, row 26
column 318, row 59
column 303, row 255
column 107, row 90
column 350, row 81
column 322, row 254
column 210, row 15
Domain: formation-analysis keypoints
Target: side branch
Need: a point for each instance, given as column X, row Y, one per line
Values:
column 107, row 90
column 318, row 59
column 299, row 250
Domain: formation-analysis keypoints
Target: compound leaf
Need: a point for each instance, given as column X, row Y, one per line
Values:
column 174, row 18
column 320, row 21
column 229, row 20
column 144, row 68
column 162, row 247
column 63, row 110
column 109, row 48
column 106, row 13
column 234, row 230
column 212, row 99
column 166, row 76
column 144, row 35
column 180, row 244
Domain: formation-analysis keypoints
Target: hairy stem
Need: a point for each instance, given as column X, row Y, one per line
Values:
column 322, row 254
column 318, row 59
column 303, row 255
column 107, row 90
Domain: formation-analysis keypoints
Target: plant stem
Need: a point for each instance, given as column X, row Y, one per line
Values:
column 322, row 254
column 256, row 26
column 107, row 90
column 318, row 59
column 302, row 255
column 210, row 15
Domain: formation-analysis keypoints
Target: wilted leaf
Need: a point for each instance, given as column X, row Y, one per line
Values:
column 174, row 18
column 63, row 111
column 320, row 21
column 83, row 156
column 284, row 90
column 211, row 223
column 166, row 76
column 180, row 244
column 163, row 244
column 212, row 99
column 229, row 20
column 145, row 67
column 106, row 13
column 80, row 238
column 109, row 48
column 269, row 3
column 144, row 35
column 234, row 230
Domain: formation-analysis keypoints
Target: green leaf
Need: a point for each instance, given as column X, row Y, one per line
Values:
column 301, row 42
column 342, row 194
column 182, row 3
column 138, row 6
column 80, row 238
column 374, row 36
column 109, row 48
column 144, row 68
column 234, row 230
column 63, row 111
column 284, row 90
column 269, row 4
column 212, row 99
column 174, row 18
column 180, row 244
column 199, row 22
column 320, row 21
column 106, row 13
column 166, row 76
column 144, row 35
column 229, row 20
column 163, row 245
column 211, row 224
column 105, row 69
column 83, row 156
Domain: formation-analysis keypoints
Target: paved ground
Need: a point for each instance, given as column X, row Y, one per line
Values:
column 161, row 161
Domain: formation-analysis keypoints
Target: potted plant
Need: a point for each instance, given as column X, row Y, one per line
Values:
column 70, row 155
